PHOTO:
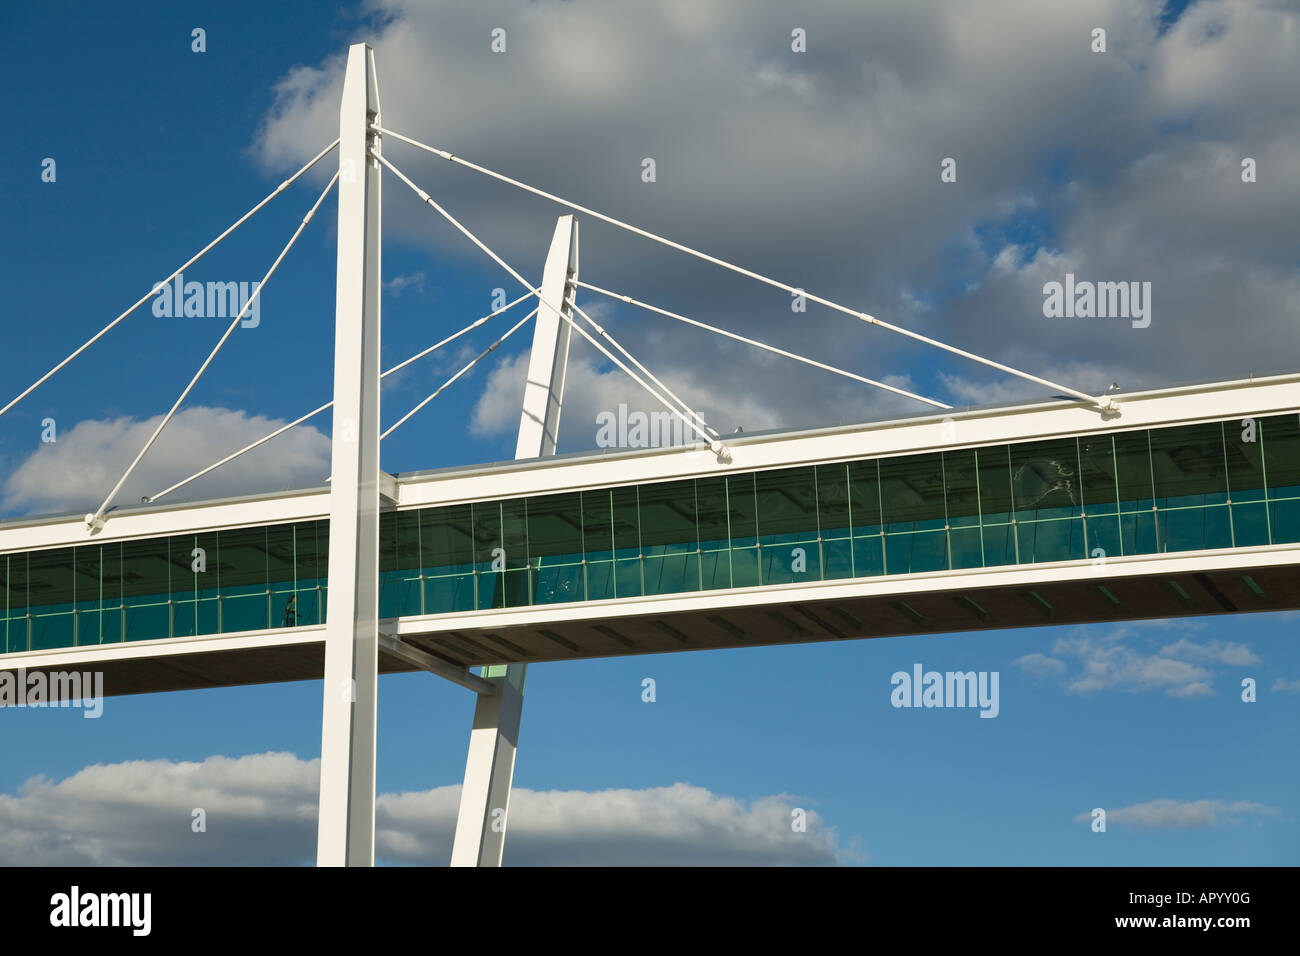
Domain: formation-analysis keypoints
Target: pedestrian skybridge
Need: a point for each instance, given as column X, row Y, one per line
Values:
column 1184, row 502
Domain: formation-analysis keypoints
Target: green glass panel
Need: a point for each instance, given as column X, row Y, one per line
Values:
column 744, row 568
column 864, row 497
column 999, row 545
column 149, row 622
column 600, row 580
column 1284, row 517
column 244, row 613
column 195, row 575
column 208, row 616
column 487, row 535
column 916, row 552
column 668, row 518
column 715, row 570
column 557, row 584
column 1103, row 533
column 111, row 624
column 627, row 523
column 1097, row 475
column 399, row 594
column 780, row 562
column 53, row 630
column 555, row 529
column 1188, row 465
column 181, row 577
column 399, row 566
column 399, row 541
column 185, row 618
column 868, row 556
column 444, row 595
column 627, row 577
column 110, row 577
column 243, row 564
column 1194, row 529
column 86, row 584
column 1133, row 471
column 514, row 532
column 1245, row 461
column 711, row 510
column 8, row 592
column 1249, row 524
column 310, row 605
column 49, row 581
column 281, row 545
column 912, row 493
column 309, row 558
column 597, row 525
column 1138, row 532
column 16, row 635
column 446, row 539
column 966, row 548
column 489, row 589
column 146, row 579
column 787, row 505
column 1045, row 480
column 961, row 489
column 743, row 509
column 833, row 501
column 1282, row 457
column 1059, row 539
column 89, row 624
column 672, row 573
column 837, row 558
column 995, row 485
column 16, row 587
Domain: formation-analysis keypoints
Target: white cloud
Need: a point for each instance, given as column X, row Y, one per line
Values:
column 1218, row 652
column 1284, row 686
column 73, row 474
column 1090, row 660
column 261, row 810
column 1040, row 665
column 825, row 174
column 412, row 281
column 1168, row 814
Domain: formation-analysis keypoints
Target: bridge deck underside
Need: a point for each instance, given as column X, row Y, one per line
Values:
column 1086, row 600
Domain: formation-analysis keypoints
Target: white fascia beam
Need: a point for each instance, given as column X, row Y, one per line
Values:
column 425, row 661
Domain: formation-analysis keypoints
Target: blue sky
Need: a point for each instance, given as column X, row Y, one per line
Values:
column 159, row 148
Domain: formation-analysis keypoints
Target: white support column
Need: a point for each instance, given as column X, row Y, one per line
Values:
column 490, row 768
column 346, row 828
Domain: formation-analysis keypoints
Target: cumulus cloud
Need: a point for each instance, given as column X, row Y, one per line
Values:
column 72, row 474
column 1284, row 686
column 1184, row 814
column 1089, row 660
column 260, row 809
column 1123, row 166
column 411, row 281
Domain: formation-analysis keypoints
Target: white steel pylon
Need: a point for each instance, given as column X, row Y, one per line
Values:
column 346, row 825
column 490, row 766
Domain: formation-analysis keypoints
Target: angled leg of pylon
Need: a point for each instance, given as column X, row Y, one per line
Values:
column 490, row 767
column 346, row 828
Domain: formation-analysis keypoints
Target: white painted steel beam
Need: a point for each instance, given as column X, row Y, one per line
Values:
column 426, row 661
column 346, row 828
column 490, row 766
